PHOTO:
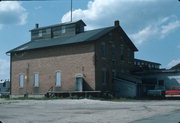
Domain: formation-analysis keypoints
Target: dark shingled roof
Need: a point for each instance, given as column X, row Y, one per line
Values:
column 81, row 37
column 78, row 38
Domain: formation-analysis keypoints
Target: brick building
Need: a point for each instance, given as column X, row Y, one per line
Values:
column 65, row 57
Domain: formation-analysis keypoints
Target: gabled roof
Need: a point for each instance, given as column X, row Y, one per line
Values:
column 86, row 36
column 78, row 38
column 129, row 42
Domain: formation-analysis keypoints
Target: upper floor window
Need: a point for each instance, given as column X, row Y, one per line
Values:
column 4, row 84
column 113, row 51
column 58, row 78
column 63, row 29
column 110, row 36
column 103, row 50
column 56, row 29
column 40, row 33
column 113, row 63
column 36, row 80
column 21, row 80
column 121, row 38
column 122, row 52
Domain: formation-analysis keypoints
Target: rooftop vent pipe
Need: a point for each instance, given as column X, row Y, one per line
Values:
column 116, row 23
column 37, row 26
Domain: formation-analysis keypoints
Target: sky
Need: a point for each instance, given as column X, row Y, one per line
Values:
column 152, row 25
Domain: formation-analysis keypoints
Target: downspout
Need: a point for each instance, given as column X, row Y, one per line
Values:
column 27, row 79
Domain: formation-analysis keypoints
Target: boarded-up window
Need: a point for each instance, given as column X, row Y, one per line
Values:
column 113, row 73
column 21, row 80
column 36, row 80
column 58, row 78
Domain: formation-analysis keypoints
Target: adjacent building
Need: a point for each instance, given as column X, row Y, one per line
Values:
column 4, row 88
column 162, row 79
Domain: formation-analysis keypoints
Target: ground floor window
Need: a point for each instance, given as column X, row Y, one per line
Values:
column 113, row 73
column 104, row 76
column 36, row 79
column 21, row 80
column 58, row 78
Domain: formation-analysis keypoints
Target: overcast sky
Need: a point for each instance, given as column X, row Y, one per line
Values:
column 153, row 25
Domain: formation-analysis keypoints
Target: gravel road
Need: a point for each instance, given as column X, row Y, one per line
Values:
column 83, row 111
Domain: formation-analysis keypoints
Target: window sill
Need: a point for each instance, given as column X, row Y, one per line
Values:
column 104, row 84
column 58, row 86
column 103, row 58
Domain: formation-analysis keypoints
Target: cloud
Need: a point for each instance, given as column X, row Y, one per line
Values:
column 173, row 63
column 4, row 68
column 131, row 13
column 156, row 30
column 143, row 34
column 12, row 13
column 178, row 46
column 38, row 7
column 171, row 26
column 141, row 22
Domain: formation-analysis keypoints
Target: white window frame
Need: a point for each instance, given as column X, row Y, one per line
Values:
column 21, row 80
column 58, row 81
column 36, row 79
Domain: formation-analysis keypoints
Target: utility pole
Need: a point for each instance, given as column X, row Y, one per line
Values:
column 71, row 10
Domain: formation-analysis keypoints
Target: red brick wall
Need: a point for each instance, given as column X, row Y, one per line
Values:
column 121, row 66
column 70, row 60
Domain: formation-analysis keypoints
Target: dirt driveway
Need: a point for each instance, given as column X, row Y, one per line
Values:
column 82, row 111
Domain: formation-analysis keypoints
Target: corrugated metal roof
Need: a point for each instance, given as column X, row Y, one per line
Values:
column 81, row 37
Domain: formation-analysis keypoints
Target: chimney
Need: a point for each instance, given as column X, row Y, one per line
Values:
column 116, row 23
column 37, row 26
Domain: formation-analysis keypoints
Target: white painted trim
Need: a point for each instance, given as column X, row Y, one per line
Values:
column 34, row 79
column 60, row 78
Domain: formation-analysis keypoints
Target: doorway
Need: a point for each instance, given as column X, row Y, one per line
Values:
column 79, row 83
